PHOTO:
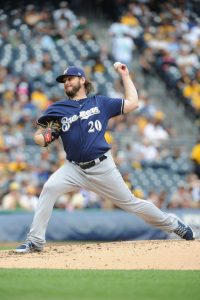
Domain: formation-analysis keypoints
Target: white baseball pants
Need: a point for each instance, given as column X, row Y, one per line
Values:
column 103, row 179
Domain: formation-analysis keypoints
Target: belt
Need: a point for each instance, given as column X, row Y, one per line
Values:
column 91, row 163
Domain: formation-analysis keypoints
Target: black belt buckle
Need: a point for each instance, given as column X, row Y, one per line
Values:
column 91, row 163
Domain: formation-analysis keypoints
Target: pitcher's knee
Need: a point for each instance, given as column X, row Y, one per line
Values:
column 50, row 187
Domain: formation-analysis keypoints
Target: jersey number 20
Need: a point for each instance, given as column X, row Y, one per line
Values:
column 94, row 126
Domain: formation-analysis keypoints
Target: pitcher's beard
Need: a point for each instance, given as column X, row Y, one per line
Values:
column 73, row 92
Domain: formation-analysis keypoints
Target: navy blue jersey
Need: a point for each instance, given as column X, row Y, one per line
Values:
column 84, row 124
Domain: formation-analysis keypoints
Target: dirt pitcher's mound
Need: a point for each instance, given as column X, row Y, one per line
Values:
column 165, row 255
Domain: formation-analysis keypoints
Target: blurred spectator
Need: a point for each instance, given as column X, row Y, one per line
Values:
column 39, row 98
column 195, row 156
column 108, row 137
column 154, row 198
column 148, row 151
column 29, row 199
column 81, row 26
column 155, row 130
column 181, row 198
column 147, row 61
column 65, row 13
column 187, row 57
column 146, row 107
column 12, row 199
column 194, row 187
column 31, row 16
column 122, row 49
column 116, row 90
column 86, row 35
column 18, row 164
column 81, row 199
column 191, row 91
column 98, row 66
column 117, row 29
column 158, row 199
column 129, row 19
column 138, row 192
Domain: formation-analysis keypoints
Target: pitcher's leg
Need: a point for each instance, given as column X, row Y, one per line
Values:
column 64, row 180
column 112, row 186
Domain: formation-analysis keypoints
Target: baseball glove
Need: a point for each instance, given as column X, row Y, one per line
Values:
column 52, row 130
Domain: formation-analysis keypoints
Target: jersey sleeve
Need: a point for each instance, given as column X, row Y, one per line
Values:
column 51, row 113
column 112, row 106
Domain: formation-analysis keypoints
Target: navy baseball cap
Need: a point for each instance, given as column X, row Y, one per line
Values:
column 71, row 71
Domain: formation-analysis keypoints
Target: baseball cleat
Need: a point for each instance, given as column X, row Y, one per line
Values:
column 27, row 247
column 184, row 231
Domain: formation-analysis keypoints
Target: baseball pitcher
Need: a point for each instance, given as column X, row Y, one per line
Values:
column 80, row 121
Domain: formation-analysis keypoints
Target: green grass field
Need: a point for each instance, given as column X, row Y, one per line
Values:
column 95, row 285
column 31, row 284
